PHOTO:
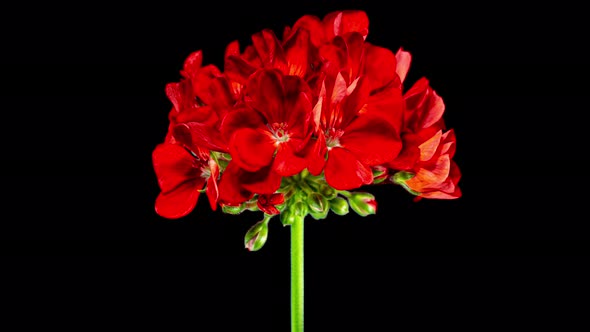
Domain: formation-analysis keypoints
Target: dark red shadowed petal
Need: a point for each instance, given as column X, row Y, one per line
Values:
column 354, row 44
column 269, row 49
column 312, row 24
column 240, row 118
column 286, row 162
column 344, row 171
column 251, row 149
column 380, row 65
column 212, row 189
column 238, row 69
column 203, row 114
column 372, row 140
column 173, row 166
column 265, row 89
column 201, row 135
column 231, row 191
column 263, row 181
column 180, row 201
column 343, row 22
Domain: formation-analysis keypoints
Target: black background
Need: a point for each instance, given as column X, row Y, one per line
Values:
column 84, row 106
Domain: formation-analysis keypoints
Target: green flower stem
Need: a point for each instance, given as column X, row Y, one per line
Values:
column 297, row 274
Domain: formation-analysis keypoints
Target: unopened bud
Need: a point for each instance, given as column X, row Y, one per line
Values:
column 319, row 215
column 317, row 203
column 339, row 206
column 256, row 235
column 363, row 203
column 232, row 209
column 299, row 209
column 287, row 217
column 401, row 177
column 327, row 191
column 379, row 174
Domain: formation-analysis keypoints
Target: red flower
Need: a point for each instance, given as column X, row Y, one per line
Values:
column 355, row 140
column 436, row 174
column 422, row 120
column 266, row 138
column 181, row 175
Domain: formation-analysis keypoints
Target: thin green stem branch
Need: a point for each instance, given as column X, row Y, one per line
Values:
column 297, row 275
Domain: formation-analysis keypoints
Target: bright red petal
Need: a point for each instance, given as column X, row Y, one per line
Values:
column 344, row 171
column 372, row 140
column 380, row 66
column 297, row 53
column 251, row 149
column 286, row 163
column 180, row 201
column 174, row 166
column 192, row 64
column 343, row 22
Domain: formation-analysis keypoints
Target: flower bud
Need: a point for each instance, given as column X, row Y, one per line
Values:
column 379, row 174
column 363, row 203
column 339, row 206
column 317, row 203
column 232, row 209
column 319, row 215
column 287, row 217
column 327, row 191
column 256, row 235
column 401, row 177
column 299, row 209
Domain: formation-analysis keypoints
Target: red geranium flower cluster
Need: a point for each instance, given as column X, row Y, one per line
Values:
column 294, row 122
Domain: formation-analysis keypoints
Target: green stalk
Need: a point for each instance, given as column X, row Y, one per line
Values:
column 297, row 275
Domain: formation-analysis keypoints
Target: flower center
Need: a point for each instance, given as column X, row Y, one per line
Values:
column 279, row 131
column 205, row 172
column 333, row 137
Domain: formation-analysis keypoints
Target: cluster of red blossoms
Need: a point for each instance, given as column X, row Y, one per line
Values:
column 296, row 121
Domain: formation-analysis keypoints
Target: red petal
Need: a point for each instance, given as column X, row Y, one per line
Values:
column 404, row 59
column 237, row 69
column 355, row 101
column 372, row 140
column 240, row 118
column 431, row 177
column 179, row 202
column 231, row 190
column 251, row 149
column 203, row 114
column 264, row 181
column 286, row 163
column 212, row 189
column 344, row 171
column 174, row 166
column 340, row 23
column 192, row 64
column 428, row 148
column 389, row 104
column 312, row 24
column 202, row 135
column 265, row 88
column 297, row 53
column 379, row 65
column 174, row 95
